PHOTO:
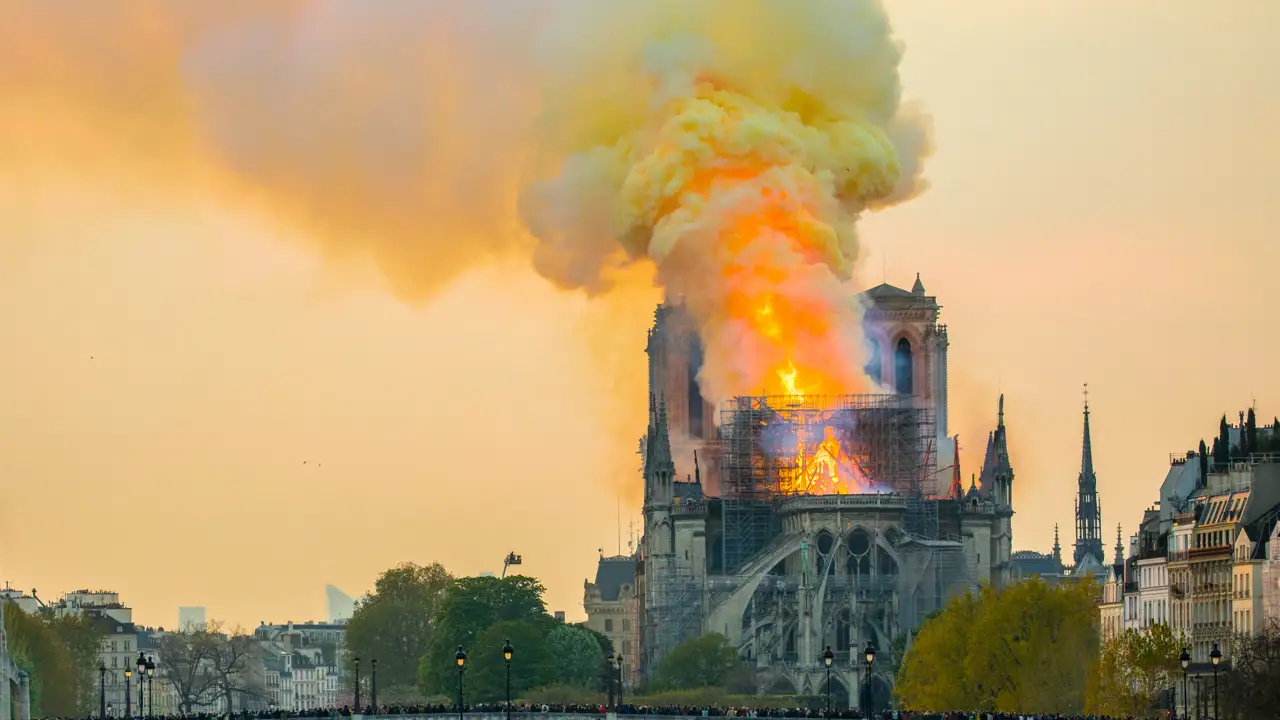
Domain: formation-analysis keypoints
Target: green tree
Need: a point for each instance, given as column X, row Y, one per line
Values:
column 397, row 623
column 1026, row 648
column 52, row 653
column 1135, row 669
column 577, row 656
column 468, row 608
column 531, row 663
column 1250, row 432
column 1204, row 465
column 705, row 661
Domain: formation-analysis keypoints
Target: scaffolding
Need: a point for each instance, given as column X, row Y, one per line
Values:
column 775, row 446
column 672, row 608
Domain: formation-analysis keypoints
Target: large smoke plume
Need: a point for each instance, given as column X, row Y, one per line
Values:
column 732, row 143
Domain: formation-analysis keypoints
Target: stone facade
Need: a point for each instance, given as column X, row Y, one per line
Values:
column 612, row 603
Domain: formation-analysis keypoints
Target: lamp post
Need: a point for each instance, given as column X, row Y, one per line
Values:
column 102, row 690
column 1215, row 657
column 357, row 696
column 617, row 659
column 1185, row 660
column 373, row 685
column 870, row 656
column 507, row 652
column 151, row 689
column 128, row 692
column 142, row 679
column 461, row 659
column 827, row 658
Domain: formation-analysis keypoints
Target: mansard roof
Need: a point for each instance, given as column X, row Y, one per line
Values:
column 612, row 573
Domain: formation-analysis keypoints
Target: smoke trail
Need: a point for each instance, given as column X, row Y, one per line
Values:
column 733, row 143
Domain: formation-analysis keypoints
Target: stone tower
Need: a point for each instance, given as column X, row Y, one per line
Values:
column 997, row 485
column 1088, row 508
column 659, row 479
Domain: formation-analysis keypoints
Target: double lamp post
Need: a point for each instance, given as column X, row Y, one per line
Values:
column 1215, row 659
column 869, row 655
column 374, row 683
column 461, row 659
column 146, row 674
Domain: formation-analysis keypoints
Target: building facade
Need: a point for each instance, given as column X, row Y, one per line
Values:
column 612, row 603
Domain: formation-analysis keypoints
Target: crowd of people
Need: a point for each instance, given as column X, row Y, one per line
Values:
column 497, row 712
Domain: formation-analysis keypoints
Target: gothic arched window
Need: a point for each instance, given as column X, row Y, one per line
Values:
column 902, row 368
column 872, row 368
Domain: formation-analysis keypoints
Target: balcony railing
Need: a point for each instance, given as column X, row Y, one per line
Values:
column 1178, row 555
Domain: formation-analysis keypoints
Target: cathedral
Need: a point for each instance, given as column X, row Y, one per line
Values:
column 781, row 556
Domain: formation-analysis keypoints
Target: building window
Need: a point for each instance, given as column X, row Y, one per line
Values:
column 626, row 625
column 608, row 625
column 903, row 367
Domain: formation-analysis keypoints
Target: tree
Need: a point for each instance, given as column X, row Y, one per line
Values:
column 531, row 663
column 577, row 656
column 1136, row 669
column 468, row 608
column 1222, row 449
column 1250, row 432
column 233, row 659
column 1251, row 689
column 1026, row 648
column 1204, row 465
column 204, row 663
column 705, row 661
column 59, row 655
column 397, row 623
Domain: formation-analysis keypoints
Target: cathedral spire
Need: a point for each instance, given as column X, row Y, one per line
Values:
column 1088, row 508
column 659, row 468
column 1000, row 422
column 957, row 485
column 1057, row 547
column 1119, row 547
column 1086, row 453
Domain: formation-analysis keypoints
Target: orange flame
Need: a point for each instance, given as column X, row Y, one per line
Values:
column 823, row 468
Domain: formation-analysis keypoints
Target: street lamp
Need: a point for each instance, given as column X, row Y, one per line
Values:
column 373, row 689
column 151, row 689
column 617, row 659
column 357, row 698
column 1215, row 657
column 142, row 679
column 461, row 659
column 102, row 690
column 870, row 656
column 507, row 651
column 1185, row 660
column 128, row 692
column 827, row 658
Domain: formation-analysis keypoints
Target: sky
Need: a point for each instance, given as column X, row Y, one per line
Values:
column 205, row 406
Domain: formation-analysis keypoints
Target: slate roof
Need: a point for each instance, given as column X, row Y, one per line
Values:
column 612, row 573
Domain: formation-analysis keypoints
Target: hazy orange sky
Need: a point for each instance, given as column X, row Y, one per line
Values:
column 1102, row 210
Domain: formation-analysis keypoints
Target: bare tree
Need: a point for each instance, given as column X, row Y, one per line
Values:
column 188, row 662
column 233, row 667
column 1251, row 686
